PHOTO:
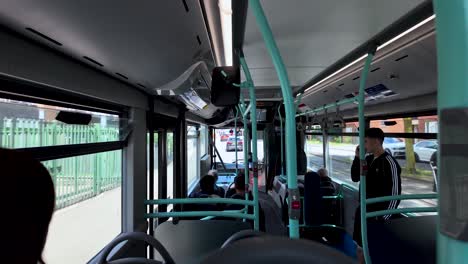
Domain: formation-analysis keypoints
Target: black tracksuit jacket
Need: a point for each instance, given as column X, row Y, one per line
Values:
column 383, row 179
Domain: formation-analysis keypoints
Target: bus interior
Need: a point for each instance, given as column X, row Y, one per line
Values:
column 137, row 107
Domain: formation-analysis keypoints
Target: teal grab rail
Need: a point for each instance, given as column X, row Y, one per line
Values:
column 233, row 211
column 336, row 104
column 247, row 111
column 200, row 214
column 200, row 201
column 253, row 120
column 291, row 159
column 235, row 139
column 452, row 62
column 401, row 197
column 362, row 154
column 402, row 210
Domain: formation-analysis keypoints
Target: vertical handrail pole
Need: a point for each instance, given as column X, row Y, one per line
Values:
column 282, row 143
column 245, row 150
column 235, row 136
column 291, row 161
column 362, row 154
column 253, row 120
column 452, row 101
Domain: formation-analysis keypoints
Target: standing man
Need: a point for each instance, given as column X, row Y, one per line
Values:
column 383, row 178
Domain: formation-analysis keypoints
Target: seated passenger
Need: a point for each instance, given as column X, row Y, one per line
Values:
column 27, row 188
column 217, row 190
column 232, row 190
column 326, row 184
column 239, row 187
column 207, row 183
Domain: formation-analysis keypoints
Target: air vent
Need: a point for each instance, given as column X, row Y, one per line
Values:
column 199, row 40
column 141, row 85
column 402, row 57
column 93, row 61
column 121, row 75
column 44, row 36
column 185, row 6
column 355, row 78
column 374, row 70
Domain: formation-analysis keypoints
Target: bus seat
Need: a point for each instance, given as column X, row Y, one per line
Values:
column 189, row 241
column 312, row 199
column 403, row 240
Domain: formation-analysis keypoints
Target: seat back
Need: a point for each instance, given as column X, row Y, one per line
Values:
column 312, row 199
column 403, row 240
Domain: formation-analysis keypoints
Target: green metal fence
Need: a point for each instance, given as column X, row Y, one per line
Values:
column 75, row 178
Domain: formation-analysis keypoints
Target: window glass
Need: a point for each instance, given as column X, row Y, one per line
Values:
column 192, row 155
column 420, row 124
column 88, row 206
column 170, row 165
column 314, row 151
column 156, row 164
column 225, row 144
column 25, row 125
column 203, row 130
column 341, row 155
column 417, row 172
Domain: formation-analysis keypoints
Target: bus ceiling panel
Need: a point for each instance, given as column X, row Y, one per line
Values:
column 312, row 35
column 148, row 42
column 416, row 35
column 410, row 72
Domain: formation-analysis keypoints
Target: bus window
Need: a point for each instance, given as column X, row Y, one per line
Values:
column 156, row 164
column 170, row 166
column 341, row 156
column 314, row 151
column 203, row 150
column 192, row 156
column 88, row 206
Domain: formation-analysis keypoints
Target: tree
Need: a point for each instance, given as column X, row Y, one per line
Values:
column 410, row 157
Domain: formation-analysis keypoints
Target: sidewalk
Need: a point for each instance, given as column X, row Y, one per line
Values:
column 79, row 232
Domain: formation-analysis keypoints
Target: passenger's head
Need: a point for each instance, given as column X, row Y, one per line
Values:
column 207, row 183
column 374, row 138
column 239, row 183
column 322, row 172
column 28, row 201
column 214, row 173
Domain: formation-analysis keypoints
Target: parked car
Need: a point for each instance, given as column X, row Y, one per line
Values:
column 224, row 137
column 423, row 150
column 394, row 147
column 231, row 144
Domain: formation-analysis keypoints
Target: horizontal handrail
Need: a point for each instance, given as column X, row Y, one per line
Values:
column 402, row 210
column 200, row 201
column 336, row 104
column 332, row 197
column 401, row 197
column 234, row 211
column 200, row 214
